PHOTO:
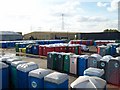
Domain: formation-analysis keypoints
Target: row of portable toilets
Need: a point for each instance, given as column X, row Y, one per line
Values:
column 18, row 74
column 12, row 44
column 109, row 49
column 27, row 75
column 42, row 50
column 106, row 67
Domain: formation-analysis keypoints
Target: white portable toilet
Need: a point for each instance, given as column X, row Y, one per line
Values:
column 88, row 83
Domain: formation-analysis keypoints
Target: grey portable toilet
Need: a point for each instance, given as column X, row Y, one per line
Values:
column 113, row 71
column 94, row 72
column 36, row 78
column 93, row 60
column 10, row 60
column 56, row 80
column 88, row 83
column 103, row 63
column 102, row 50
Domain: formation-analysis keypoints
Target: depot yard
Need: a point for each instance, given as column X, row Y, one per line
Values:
column 42, row 62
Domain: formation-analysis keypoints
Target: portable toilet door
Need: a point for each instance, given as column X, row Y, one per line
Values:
column 60, row 61
column 82, row 64
column 73, row 64
column 41, row 50
column 35, row 49
column 51, row 60
column 36, row 78
column 113, row 71
column 4, row 76
column 22, row 73
column 113, row 49
column 93, row 60
column 103, row 64
column 14, row 72
column 67, row 62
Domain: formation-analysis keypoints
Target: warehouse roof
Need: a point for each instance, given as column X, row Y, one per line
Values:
column 8, row 33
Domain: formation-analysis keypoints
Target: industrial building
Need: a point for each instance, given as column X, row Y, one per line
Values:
column 50, row 35
column 10, row 36
column 100, row 36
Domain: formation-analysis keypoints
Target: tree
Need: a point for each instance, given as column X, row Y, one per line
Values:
column 111, row 30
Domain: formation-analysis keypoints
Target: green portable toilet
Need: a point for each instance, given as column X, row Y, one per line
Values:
column 52, row 60
column 77, row 49
column 66, row 67
column 17, row 47
column 14, row 72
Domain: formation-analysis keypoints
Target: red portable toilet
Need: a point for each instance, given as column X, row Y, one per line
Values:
column 48, row 48
column 41, row 50
column 57, row 48
column 63, row 48
column 71, row 48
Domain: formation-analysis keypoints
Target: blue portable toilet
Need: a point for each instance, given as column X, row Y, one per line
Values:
column 14, row 65
column 113, row 49
column 35, row 49
column 82, row 64
column 94, row 72
column 22, row 74
column 29, row 49
column 36, row 78
column 4, row 76
column 56, row 80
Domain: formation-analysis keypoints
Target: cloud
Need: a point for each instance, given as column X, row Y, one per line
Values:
column 113, row 6
column 102, row 4
column 92, row 19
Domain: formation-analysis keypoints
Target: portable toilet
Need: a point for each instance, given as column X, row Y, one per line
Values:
column 4, row 58
column 56, row 80
column 93, row 60
column 82, row 64
column 60, row 61
column 14, row 72
column 77, row 49
column 113, row 49
column 22, row 73
column 41, row 50
column 73, row 64
column 4, row 76
column 36, row 78
column 113, row 71
column 66, row 64
column 23, row 50
column 29, row 49
column 88, row 83
column 103, row 64
column 51, row 60
column 101, row 50
column 94, row 72
column 10, row 60
column 35, row 49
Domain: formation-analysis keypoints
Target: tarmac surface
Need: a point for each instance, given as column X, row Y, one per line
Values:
column 42, row 62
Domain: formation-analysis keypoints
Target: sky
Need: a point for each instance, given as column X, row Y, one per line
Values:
column 46, row 15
